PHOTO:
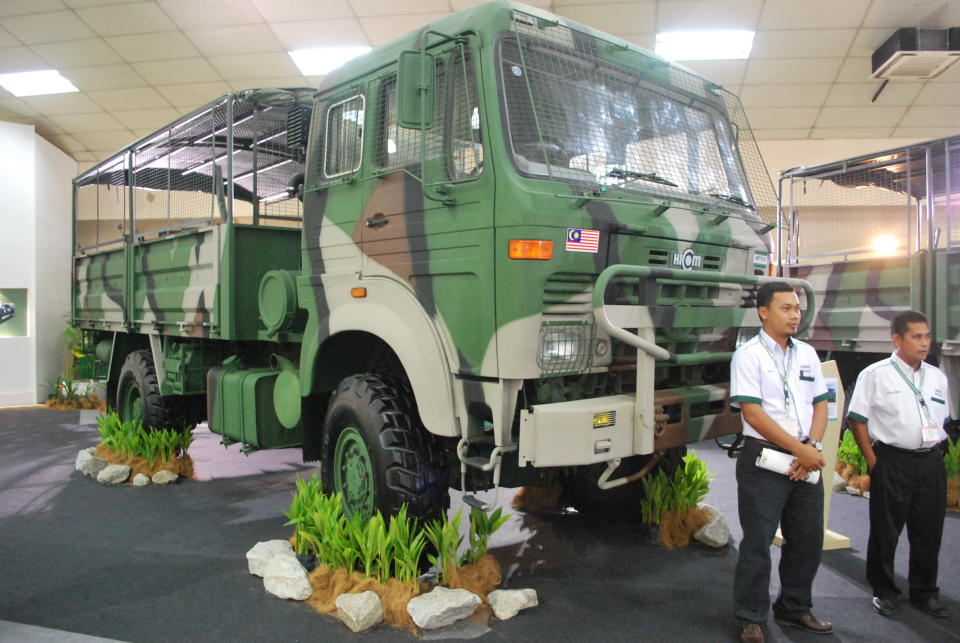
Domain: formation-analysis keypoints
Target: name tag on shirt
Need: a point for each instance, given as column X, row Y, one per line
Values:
column 931, row 436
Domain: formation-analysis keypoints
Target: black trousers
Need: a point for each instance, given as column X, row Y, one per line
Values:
column 906, row 488
column 765, row 499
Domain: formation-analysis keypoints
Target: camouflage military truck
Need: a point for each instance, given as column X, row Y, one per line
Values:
column 502, row 248
column 875, row 235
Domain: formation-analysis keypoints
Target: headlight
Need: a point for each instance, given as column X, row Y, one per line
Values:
column 564, row 348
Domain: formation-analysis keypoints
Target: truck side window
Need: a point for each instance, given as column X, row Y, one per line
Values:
column 463, row 143
column 399, row 147
column 343, row 137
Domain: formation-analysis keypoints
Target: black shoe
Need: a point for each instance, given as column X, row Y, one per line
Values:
column 807, row 622
column 884, row 606
column 931, row 605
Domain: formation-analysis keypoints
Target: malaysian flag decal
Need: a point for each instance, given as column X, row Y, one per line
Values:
column 582, row 240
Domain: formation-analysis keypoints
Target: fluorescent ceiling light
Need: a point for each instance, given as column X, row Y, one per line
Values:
column 705, row 45
column 36, row 83
column 322, row 60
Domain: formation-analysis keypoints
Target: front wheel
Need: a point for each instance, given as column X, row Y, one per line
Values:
column 376, row 452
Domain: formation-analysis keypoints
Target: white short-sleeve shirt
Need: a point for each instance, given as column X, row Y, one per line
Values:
column 885, row 403
column 756, row 375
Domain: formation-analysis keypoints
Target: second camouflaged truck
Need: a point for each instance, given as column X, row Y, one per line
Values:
column 501, row 248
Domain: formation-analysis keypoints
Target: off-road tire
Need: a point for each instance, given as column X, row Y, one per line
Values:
column 159, row 412
column 405, row 459
column 621, row 503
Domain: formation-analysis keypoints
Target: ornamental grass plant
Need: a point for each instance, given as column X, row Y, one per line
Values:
column 672, row 502
column 144, row 450
column 951, row 462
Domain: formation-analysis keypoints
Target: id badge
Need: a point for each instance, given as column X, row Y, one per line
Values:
column 791, row 427
column 931, row 436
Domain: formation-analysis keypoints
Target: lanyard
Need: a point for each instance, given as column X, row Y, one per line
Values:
column 785, row 375
column 916, row 391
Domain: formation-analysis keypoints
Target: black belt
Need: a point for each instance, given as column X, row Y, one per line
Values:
column 906, row 451
column 767, row 443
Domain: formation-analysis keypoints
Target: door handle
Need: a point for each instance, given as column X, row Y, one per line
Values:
column 377, row 220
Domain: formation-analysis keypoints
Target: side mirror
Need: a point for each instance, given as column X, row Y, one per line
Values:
column 415, row 89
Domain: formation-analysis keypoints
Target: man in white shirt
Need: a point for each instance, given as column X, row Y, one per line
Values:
column 897, row 413
column 776, row 382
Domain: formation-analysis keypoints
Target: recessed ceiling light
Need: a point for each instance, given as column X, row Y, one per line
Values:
column 36, row 83
column 731, row 44
column 320, row 61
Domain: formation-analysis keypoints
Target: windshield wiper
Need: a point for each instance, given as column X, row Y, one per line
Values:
column 732, row 198
column 630, row 175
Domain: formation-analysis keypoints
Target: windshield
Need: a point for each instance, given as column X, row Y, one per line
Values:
column 608, row 126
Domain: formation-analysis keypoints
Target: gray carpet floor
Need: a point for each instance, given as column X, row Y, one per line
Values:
column 166, row 564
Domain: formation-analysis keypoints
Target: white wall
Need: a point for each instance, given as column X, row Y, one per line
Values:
column 35, row 238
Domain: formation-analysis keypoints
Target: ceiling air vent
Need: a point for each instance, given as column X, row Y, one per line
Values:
column 916, row 54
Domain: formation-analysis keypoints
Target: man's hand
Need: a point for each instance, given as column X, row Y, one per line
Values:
column 807, row 459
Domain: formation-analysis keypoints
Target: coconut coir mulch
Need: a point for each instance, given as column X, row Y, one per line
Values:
column 328, row 583
column 677, row 527
column 181, row 466
column 91, row 403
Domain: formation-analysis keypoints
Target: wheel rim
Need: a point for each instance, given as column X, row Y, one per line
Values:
column 131, row 404
column 353, row 472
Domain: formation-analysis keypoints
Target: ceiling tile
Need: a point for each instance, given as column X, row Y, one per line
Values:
column 211, row 13
column 924, row 133
column 193, row 95
column 894, row 14
column 391, row 7
column 7, row 39
column 237, row 39
column 76, row 123
column 723, row 72
column 784, row 95
column 19, row 7
column 256, row 83
column 851, row 132
column 14, row 59
column 867, row 41
column 719, row 14
column 85, row 161
column 147, row 118
column 952, row 75
column 861, row 116
column 813, row 14
column 176, row 72
column 383, row 29
column 781, row 117
column 644, row 40
column 254, row 65
column 78, row 4
column 938, row 116
column 112, row 140
column 286, row 10
column 67, row 143
column 938, row 93
column 802, row 43
column 104, row 77
column 794, row 70
column 853, row 94
column 855, row 70
column 14, row 108
column 636, row 17
column 543, row 4
column 160, row 45
column 92, row 51
column 131, row 98
column 46, row 129
column 54, row 104
column 47, row 27
column 320, row 33
column 780, row 134
column 119, row 20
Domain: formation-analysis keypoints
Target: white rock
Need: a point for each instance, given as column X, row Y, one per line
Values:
column 715, row 533
column 442, row 606
column 113, row 474
column 141, row 480
column 853, row 491
column 360, row 611
column 839, row 484
column 285, row 577
column 88, row 464
column 866, row 494
column 262, row 552
column 164, row 476
column 505, row 603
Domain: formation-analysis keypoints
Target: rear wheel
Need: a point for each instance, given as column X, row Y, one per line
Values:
column 377, row 454
column 138, row 395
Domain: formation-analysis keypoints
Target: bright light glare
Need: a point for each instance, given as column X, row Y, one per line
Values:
column 320, row 61
column 885, row 244
column 731, row 44
column 36, row 83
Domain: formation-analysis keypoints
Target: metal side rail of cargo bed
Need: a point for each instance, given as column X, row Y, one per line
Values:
column 606, row 429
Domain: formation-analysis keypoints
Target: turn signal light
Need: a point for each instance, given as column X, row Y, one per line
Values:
column 531, row 249
column 358, row 293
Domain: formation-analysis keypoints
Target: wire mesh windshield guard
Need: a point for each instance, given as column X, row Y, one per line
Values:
column 183, row 176
column 887, row 204
column 603, row 120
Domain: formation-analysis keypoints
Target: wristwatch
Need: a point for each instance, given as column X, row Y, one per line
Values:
column 817, row 444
